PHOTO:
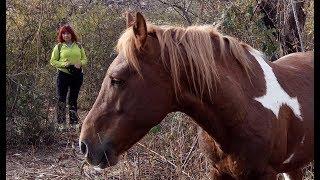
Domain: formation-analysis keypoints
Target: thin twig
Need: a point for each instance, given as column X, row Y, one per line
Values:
column 195, row 140
column 47, row 174
column 297, row 24
column 82, row 166
column 104, row 151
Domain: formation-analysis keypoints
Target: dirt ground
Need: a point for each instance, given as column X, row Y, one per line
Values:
column 169, row 151
column 64, row 161
column 156, row 156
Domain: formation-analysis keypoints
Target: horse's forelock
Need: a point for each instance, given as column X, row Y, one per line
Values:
column 126, row 46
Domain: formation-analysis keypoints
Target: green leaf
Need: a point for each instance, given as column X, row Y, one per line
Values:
column 155, row 129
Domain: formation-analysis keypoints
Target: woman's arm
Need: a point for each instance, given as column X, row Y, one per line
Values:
column 54, row 61
column 83, row 59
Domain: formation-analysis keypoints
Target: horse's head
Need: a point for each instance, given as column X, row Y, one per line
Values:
column 136, row 94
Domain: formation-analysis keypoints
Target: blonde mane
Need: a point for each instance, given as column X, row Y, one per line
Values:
column 195, row 42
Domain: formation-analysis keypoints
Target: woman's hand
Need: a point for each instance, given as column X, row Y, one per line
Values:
column 67, row 64
column 77, row 66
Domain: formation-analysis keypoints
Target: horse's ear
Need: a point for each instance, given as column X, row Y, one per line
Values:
column 140, row 30
column 129, row 19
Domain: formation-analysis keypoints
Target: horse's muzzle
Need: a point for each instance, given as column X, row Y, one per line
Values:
column 102, row 156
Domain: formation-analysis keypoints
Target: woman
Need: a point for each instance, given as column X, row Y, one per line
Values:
column 68, row 57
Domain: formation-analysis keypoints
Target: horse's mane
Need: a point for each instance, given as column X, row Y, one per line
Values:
column 196, row 43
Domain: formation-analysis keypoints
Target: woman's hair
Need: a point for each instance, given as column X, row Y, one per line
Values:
column 67, row 28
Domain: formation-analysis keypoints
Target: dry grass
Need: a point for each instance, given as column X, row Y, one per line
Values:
column 169, row 151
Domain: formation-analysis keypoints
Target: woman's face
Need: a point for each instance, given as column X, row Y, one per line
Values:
column 66, row 36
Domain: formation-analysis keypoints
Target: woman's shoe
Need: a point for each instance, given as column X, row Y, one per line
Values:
column 62, row 127
column 73, row 115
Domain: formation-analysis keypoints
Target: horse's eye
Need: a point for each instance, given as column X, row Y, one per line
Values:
column 116, row 82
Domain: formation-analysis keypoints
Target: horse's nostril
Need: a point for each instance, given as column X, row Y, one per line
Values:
column 83, row 148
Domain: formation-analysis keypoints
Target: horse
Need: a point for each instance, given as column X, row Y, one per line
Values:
column 257, row 116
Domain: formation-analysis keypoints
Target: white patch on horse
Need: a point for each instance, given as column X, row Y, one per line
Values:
column 288, row 159
column 302, row 141
column 291, row 156
column 286, row 177
column 275, row 95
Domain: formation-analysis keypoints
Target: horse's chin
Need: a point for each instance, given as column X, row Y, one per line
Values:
column 108, row 161
column 108, row 158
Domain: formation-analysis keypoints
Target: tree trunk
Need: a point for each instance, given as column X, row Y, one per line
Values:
column 281, row 17
column 291, row 39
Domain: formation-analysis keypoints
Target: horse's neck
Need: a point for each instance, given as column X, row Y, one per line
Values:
column 225, row 115
column 221, row 119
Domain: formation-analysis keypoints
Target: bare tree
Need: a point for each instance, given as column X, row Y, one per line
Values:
column 182, row 8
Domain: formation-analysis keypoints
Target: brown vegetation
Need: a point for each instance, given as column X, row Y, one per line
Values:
column 169, row 151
